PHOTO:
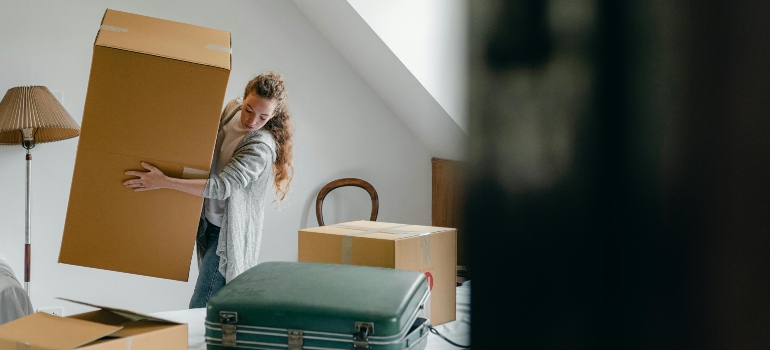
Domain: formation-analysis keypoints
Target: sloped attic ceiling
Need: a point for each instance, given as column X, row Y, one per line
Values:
column 371, row 58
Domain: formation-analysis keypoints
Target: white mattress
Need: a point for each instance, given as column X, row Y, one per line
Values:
column 457, row 331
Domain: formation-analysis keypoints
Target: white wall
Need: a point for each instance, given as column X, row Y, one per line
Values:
column 429, row 37
column 343, row 129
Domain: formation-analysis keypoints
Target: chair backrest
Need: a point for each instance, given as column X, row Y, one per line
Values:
column 342, row 183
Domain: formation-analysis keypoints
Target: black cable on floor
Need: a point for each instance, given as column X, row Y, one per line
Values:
column 434, row 331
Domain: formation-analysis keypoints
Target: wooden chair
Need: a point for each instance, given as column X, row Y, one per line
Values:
column 342, row 183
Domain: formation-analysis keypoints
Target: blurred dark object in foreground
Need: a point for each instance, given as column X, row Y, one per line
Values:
column 618, row 192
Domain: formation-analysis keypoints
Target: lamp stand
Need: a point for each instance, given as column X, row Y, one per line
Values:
column 28, row 144
column 28, row 228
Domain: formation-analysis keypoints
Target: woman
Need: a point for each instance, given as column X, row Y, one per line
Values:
column 253, row 143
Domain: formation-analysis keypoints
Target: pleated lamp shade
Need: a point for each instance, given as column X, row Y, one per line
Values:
column 34, row 107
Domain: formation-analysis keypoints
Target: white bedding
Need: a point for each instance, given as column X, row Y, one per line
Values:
column 14, row 301
column 457, row 331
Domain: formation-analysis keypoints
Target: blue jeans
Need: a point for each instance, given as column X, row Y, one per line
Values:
column 210, row 280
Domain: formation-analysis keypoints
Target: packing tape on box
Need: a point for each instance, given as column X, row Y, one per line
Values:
column 23, row 346
column 368, row 229
column 219, row 48
column 347, row 250
column 128, row 343
column 424, row 242
column 113, row 28
column 347, row 240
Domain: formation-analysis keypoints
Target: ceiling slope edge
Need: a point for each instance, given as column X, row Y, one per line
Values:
column 401, row 91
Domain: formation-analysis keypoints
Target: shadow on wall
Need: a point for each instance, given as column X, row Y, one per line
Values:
column 309, row 220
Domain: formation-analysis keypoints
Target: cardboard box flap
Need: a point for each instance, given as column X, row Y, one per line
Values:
column 45, row 331
column 131, row 315
column 369, row 225
column 165, row 38
column 375, row 229
column 333, row 230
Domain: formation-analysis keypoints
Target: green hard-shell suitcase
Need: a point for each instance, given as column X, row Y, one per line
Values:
column 294, row 306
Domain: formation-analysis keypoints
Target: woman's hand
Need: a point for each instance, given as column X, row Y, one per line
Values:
column 152, row 180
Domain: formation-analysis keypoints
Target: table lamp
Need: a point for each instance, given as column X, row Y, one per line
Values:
column 31, row 115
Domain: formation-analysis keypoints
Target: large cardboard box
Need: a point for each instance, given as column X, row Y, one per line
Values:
column 431, row 250
column 103, row 329
column 155, row 94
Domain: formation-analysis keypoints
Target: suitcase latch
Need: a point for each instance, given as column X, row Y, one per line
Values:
column 361, row 337
column 295, row 339
column 228, row 319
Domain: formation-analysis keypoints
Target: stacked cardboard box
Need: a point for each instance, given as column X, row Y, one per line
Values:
column 431, row 250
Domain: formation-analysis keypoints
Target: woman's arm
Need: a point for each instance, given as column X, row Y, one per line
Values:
column 244, row 167
column 155, row 179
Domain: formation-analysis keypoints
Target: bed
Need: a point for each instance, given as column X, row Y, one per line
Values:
column 14, row 301
column 457, row 331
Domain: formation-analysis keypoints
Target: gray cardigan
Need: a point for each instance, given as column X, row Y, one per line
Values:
column 243, row 183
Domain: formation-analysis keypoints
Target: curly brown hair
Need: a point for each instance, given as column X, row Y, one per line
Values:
column 270, row 86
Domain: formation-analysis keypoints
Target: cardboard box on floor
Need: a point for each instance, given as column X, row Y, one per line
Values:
column 431, row 250
column 107, row 328
column 155, row 94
